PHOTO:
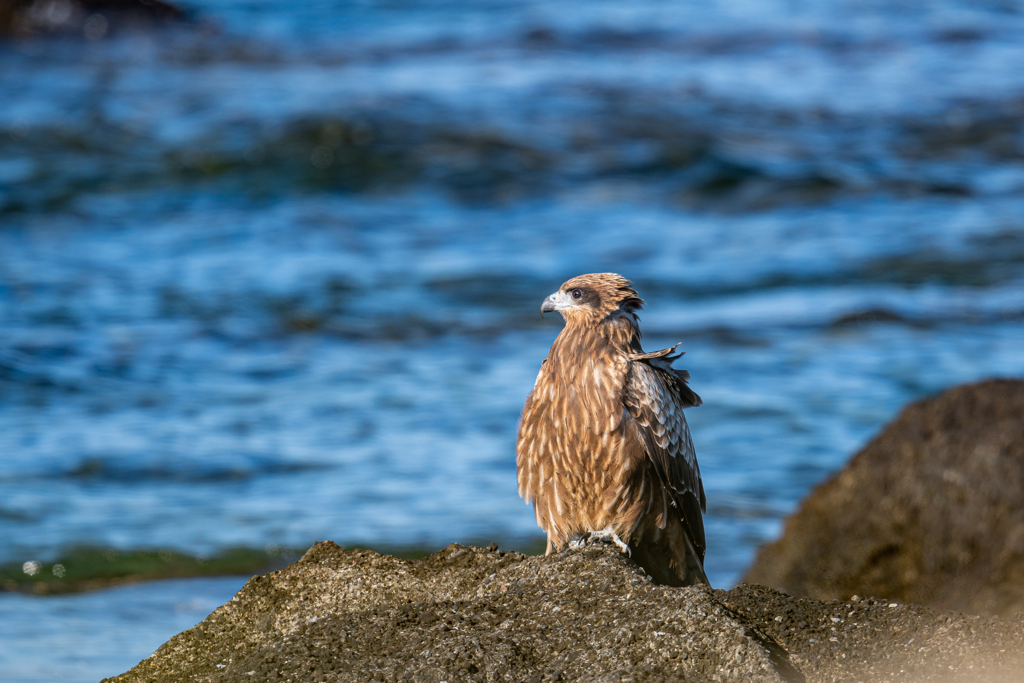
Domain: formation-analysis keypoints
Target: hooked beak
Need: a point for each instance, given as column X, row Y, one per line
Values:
column 552, row 303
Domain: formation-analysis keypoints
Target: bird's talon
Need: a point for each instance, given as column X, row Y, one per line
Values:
column 589, row 538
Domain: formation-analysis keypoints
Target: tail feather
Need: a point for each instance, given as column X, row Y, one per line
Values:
column 671, row 558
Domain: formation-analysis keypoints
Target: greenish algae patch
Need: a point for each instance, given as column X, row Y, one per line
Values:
column 92, row 568
column 84, row 569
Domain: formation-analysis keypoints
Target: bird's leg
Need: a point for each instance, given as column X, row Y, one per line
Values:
column 606, row 535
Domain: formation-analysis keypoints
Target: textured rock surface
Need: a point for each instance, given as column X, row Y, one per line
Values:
column 473, row 614
column 930, row 512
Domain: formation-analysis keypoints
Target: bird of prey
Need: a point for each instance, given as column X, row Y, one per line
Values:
column 603, row 450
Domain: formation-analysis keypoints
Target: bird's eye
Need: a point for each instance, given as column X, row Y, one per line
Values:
column 577, row 294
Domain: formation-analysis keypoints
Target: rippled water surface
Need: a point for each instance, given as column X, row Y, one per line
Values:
column 94, row 635
column 274, row 276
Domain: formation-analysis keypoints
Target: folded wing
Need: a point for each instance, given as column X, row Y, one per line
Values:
column 655, row 395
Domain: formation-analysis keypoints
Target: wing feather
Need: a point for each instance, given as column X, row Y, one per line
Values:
column 655, row 395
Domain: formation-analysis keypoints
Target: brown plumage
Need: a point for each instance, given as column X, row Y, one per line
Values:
column 603, row 445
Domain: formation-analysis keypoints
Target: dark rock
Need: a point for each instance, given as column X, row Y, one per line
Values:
column 92, row 19
column 343, row 615
column 872, row 315
column 930, row 512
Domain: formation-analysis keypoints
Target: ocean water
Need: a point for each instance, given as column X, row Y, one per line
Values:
column 274, row 276
column 89, row 636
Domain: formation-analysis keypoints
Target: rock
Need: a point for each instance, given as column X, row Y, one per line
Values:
column 929, row 512
column 93, row 19
column 475, row 614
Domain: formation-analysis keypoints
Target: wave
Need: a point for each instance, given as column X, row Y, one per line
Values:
column 701, row 153
column 142, row 470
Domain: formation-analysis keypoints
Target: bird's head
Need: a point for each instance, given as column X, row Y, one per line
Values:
column 593, row 297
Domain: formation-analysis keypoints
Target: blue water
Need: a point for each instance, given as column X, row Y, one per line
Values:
column 274, row 277
column 92, row 635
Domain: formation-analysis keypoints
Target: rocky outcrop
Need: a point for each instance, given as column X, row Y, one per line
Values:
column 474, row 614
column 930, row 512
column 93, row 19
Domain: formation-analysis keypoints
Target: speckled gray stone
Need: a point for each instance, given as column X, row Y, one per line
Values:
column 475, row 614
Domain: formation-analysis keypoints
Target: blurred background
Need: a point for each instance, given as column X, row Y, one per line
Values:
column 270, row 271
